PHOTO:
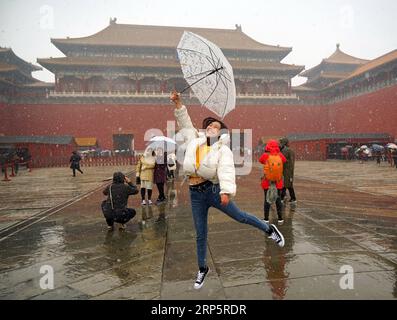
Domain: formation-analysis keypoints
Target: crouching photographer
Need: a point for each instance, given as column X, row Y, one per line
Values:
column 114, row 208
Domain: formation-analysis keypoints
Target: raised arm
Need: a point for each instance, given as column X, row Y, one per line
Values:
column 182, row 118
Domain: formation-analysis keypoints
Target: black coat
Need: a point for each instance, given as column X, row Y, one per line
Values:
column 75, row 161
column 120, row 194
column 160, row 169
column 289, row 167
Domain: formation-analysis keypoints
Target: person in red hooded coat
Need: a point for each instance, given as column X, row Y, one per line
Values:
column 272, row 148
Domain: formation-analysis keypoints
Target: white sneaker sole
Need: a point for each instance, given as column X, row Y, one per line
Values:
column 282, row 242
column 199, row 286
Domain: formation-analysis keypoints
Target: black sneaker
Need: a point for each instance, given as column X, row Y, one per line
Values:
column 200, row 278
column 276, row 236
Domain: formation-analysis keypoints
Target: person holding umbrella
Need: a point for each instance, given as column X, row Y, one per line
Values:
column 160, row 173
column 145, row 172
column 209, row 165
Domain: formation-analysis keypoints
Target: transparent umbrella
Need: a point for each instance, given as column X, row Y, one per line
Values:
column 391, row 146
column 208, row 73
column 163, row 142
column 377, row 148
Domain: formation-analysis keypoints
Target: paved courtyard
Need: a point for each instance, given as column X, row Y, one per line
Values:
column 345, row 219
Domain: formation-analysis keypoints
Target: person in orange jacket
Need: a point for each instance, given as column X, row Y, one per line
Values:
column 272, row 149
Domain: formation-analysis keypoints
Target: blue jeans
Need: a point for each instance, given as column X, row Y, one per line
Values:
column 210, row 197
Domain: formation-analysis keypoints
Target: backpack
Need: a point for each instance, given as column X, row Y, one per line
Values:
column 273, row 168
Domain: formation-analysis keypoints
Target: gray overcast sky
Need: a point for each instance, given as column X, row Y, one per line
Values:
column 364, row 28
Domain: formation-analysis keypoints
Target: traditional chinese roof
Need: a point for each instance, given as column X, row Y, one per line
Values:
column 373, row 64
column 14, row 70
column 14, row 75
column 130, row 35
column 37, row 139
column 86, row 142
column 156, row 63
column 4, row 67
column 326, row 78
column 338, row 57
column 8, row 56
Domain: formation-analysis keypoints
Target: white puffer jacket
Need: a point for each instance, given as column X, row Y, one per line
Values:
column 218, row 165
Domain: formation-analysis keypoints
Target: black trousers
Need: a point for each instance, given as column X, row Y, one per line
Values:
column 121, row 216
column 76, row 168
column 279, row 206
column 149, row 193
column 160, row 187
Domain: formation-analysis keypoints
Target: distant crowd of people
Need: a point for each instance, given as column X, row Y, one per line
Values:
column 379, row 154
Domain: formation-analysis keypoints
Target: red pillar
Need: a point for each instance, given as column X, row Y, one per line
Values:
column 163, row 86
column 138, row 85
column 244, row 86
column 60, row 85
column 85, row 86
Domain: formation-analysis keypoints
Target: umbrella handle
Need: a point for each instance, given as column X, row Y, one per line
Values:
column 212, row 72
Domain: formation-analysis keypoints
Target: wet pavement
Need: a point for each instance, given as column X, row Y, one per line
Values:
column 346, row 217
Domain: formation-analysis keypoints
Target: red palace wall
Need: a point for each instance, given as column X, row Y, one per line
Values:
column 375, row 112
column 371, row 113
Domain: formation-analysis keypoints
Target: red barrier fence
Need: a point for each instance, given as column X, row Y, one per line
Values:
column 86, row 162
column 108, row 161
column 5, row 168
column 14, row 170
column 64, row 162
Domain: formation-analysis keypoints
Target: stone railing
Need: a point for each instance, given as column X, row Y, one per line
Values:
column 150, row 94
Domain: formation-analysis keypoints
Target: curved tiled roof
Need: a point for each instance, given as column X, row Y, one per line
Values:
column 5, row 67
column 386, row 58
column 151, row 62
column 130, row 35
column 338, row 57
column 86, row 142
column 8, row 56
column 38, row 139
